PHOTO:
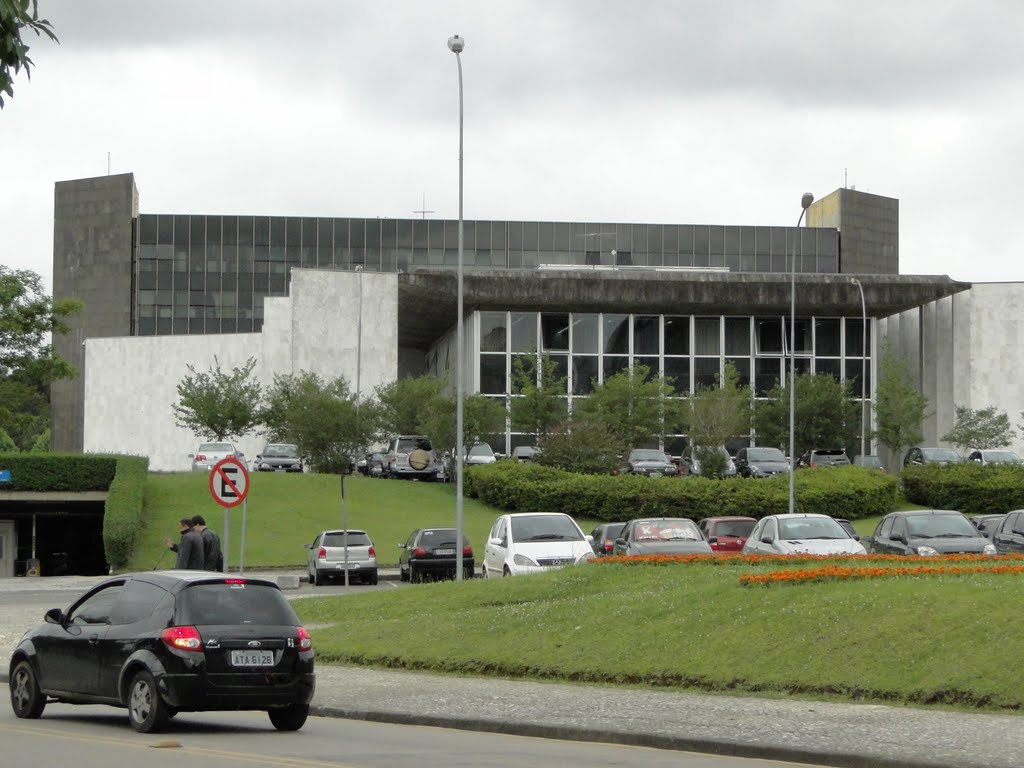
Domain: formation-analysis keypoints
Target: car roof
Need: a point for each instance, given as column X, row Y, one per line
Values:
column 734, row 518
column 788, row 516
column 170, row 580
column 537, row 514
column 342, row 530
column 656, row 519
column 915, row 512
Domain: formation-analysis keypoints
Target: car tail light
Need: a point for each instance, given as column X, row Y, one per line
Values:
column 372, row 552
column 200, row 457
column 305, row 641
column 235, row 581
column 322, row 554
column 467, row 550
column 419, row 552
column 609, row 545
column 182, row 638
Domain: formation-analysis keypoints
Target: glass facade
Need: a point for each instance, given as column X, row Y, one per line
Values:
column 692, row 350
column 209, row 274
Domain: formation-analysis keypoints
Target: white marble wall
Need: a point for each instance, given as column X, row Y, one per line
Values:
column 131, row 382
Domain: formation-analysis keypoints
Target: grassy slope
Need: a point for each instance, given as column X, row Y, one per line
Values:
column 286, row 511
column 907, row 640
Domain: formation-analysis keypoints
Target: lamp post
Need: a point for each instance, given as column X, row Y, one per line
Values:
column 805, row 203
column 456, row 44
column 864, row 362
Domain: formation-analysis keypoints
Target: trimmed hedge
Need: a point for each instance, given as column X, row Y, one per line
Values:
column 849, row 492
column 970, row 488
column 122, row 477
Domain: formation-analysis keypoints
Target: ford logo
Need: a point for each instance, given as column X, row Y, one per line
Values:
column 254, row 643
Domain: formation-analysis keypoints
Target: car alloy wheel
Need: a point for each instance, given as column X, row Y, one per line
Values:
column 27, row 700
column 147, row 712
column 289, row 718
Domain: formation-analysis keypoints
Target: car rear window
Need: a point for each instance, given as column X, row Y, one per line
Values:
column 234, row 603
column 443, row 537
column 732, row 528
column 215, row 447
column 355, row 539
column 410, row 444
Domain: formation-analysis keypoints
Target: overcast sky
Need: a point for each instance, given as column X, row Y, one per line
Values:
column 662, row 112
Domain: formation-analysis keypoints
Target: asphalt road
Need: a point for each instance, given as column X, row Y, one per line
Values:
column 99, row 737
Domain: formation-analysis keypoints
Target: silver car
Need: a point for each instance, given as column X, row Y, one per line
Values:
column 327, row 558
column 661, row 536
column 208, row 454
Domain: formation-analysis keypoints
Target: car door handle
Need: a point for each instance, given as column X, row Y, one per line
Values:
column 93, row 639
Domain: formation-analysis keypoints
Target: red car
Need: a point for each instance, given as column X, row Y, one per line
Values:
column 727, row 534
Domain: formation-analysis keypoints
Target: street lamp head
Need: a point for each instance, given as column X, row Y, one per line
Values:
column 456, row 44
column 805, row 200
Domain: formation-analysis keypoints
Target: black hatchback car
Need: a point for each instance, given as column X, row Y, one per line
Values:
column 164, row 642
column 927, row 532
column 430, row 553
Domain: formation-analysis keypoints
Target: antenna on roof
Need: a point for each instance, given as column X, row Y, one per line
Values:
column 424, row 210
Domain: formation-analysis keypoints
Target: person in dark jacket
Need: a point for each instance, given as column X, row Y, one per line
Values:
column 189, row 549
column 213, row 560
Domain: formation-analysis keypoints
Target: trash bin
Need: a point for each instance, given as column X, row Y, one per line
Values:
column 32, row 567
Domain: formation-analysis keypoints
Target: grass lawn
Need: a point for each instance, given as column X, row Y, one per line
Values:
column 286, row 511
column 910, row 640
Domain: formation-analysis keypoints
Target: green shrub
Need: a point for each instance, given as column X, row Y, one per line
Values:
column 7, row 444
column 122, row 514
column 970, row 488
column 850, row 492
column 70, row 472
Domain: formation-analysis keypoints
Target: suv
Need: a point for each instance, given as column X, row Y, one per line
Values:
column 411, row 456
column 163, row 642
column 327, row 557
column 825, row 457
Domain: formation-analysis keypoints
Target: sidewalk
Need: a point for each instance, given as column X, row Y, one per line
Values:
column 855, row 735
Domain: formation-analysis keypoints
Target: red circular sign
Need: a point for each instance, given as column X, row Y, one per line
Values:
column 229, row 482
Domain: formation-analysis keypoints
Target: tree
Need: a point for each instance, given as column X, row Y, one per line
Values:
column 899, row 406
column 403, row 405
column 633, row 406
column 219, row 406
column 320, row 417
column 583, row 445
column 42, row 443
column 6, row 443
column 983, row 428
column 825, row 415
column 716, row 415
column 541, row 405
column 16, row 17
column 482, row 416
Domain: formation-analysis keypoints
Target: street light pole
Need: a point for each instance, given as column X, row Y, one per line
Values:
column 805, row 203
column 864, row 362
column 456, row 44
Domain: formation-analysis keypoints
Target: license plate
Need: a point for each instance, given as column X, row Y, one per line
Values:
column 341, row 566
column 252, row 658
column 444, row 551
column 655, row 474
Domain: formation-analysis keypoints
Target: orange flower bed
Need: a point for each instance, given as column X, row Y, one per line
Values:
column 841, row 573
column 739, row 559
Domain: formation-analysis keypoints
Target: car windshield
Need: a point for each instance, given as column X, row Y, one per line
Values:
column 216, row 448
column 940, row 526
column 1002, row 457
column 481, row 449
column 410, row 444
column 739, row 528
column 645, row 454
column 666, row 530
column 337, row 539
column 811, row 528
column 545, row 528
column 281, row 450
column 526, row 450
column 765, row 454
column 940, row 454
column 239, row 602
column 868, row 461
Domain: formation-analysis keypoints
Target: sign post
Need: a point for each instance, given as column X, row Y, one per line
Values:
column 229, row 486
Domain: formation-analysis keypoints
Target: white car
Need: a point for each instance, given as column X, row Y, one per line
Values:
column 531, row 542
column 801, row 534
column 208, row 454
column 480, row 453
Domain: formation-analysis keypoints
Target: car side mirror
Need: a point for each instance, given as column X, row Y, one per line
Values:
column 856, row 537
column 54, row 616
column 712, row 540
column 495, row 541
column 620, row 542
column 401, row 546
column 259, row 456
column 590, row 539
column 899, row 537
column 307, row 546
column 767, row 540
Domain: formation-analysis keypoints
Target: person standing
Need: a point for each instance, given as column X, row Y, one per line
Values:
column 189, row 549
column 213, row 559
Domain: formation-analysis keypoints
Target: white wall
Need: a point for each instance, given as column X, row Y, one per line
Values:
column 131, row 382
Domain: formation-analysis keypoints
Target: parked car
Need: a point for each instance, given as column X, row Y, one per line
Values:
column 208, row 454
column 327, row 558
column 807, row 534
column 604, row 536
column 691, row 464
column 162, row 642
column 649, row 462
column 941, row 456
column 430, row 553
column 987, row 524
column 1009, row 535
column 525, row 453
column 848, row 526
column 824, row 457
column 278, row 457
column 480, row 453
column 661, row 536
column 411, row 456
column 928, row 532
column 727, row 534
column 869, row 461
column 761, row 462
column 371, row 465
column 531, row 542
column 986, row 457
